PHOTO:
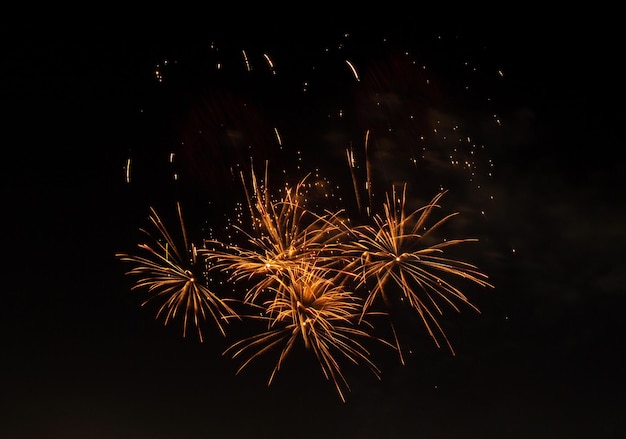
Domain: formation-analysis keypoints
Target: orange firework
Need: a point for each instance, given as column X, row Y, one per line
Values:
column 177, row 276
column 309, row 307
column 284, row 233
column 313, row 278
column 394, row 255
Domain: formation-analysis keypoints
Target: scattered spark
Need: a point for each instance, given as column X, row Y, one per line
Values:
column 128, row 162
column 246, row 61
column 353, row 69
column 278, row 139
column 270, row 63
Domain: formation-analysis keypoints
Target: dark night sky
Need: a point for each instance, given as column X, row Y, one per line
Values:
column 82, row 359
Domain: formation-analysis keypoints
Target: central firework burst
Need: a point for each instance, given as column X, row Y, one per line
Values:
column 311, row 308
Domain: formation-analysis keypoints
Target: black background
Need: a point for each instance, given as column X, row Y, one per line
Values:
column 81, row 358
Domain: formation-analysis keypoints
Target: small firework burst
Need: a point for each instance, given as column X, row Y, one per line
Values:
column 283, row 233
column 394, row 254
column 309, row 307
column 176, row 275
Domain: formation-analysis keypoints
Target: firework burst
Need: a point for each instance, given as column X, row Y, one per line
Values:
column 291, row 268
column 315, row 274
column 283, row 234
column 176, row 275
column 313, row 278
column 309, row 308
column 395, row 254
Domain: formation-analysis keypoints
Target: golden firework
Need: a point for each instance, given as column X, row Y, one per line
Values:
column 310, row 308
column 176, row 274
column 312, row 277
column 394, row 255
column 283, row 235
